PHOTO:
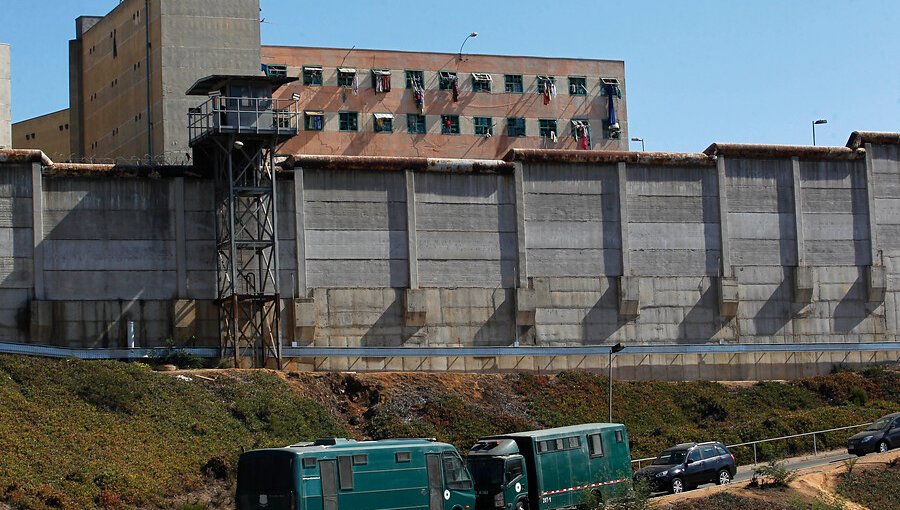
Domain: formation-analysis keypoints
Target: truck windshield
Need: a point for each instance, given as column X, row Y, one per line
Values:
column 670, row 457
column 486, row 472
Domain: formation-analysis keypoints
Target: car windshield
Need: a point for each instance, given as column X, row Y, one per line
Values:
column 486, row 472
column 879, row 424
column 670, row 457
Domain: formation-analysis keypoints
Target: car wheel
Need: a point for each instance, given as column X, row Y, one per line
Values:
column 677, row 486
column 882, row 447
column 724, row 477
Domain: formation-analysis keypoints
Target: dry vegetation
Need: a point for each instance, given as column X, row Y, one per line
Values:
column 77, row 434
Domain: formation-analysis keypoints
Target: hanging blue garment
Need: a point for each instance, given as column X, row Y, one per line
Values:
column 613, row 123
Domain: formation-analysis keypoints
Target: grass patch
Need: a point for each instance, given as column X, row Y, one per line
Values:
column 875, row 487
column 77, row 434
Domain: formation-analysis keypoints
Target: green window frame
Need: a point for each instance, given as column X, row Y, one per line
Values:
column 515, row 126
column 542, row 82
column 415, row 124
column 577, row 86
column 345, row 76
column 446, row 79
column 415, row 74
column 484, row 126
column 587, row 126
column 348, row 121
column 513, row 83
column 312, row 76
column 383, row 122
column 546, row 126
column 309, row 123
column 481, row 82
column 610, row 85
column 449, row 124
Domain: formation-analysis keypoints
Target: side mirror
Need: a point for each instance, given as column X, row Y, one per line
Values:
column 688, row 461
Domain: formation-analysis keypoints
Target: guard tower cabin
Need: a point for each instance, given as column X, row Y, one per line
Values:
column 235, row 134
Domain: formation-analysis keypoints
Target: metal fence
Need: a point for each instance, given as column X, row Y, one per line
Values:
column 244, row 115
column 772, row 439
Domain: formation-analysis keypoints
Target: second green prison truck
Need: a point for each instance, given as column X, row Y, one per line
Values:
column 550, row 469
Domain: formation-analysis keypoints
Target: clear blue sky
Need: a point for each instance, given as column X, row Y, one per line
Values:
column 697, row 71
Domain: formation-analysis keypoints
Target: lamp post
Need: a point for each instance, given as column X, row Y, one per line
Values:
column 473, row 34
column 636, row 139
column 612, row 350
column 814, row 124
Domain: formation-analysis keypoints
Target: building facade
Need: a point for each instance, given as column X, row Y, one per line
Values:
column 49, row 133
column 395, row 103
column 130, row 69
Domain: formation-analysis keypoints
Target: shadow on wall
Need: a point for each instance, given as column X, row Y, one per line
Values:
column 108, row 258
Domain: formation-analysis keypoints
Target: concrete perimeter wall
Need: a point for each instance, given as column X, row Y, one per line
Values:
column 730, row 249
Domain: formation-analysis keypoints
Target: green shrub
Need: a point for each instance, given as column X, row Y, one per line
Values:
column 774, row 474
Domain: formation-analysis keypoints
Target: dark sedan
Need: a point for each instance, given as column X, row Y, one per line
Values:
column 688, row 465
column 880, row 436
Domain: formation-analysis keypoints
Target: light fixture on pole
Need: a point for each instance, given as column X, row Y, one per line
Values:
column 473, row 34
column 814, row 124
column 612, row 350
column 636, row 139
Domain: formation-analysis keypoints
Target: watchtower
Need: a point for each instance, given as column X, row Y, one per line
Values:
column 236, row 133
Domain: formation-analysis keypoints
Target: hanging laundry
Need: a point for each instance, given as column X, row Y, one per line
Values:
column 553, row 137
column 419, row 94
column 547, row 96
column 552, row 90
column 355, row 84
column 317, row 122
column 613, row 122
column 455, row 88
column 584, row 140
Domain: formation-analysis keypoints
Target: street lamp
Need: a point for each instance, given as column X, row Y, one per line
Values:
column 636, row 139
column 816, row 122
column 612, row 350
column 473, row 34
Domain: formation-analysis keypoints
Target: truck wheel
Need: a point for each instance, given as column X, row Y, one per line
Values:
column 521, row 505
column 677, row 486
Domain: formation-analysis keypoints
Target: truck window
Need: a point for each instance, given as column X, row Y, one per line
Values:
column 309, row 462
column 402, row 456
column 595, row 444
column 360, row 460
column 574, row 442
column 455, row 473
column 346, row 472
column 514, row 470
column 620, row 437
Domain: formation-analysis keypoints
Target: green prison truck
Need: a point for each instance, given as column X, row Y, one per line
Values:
column 553, row 468
column 343, row 474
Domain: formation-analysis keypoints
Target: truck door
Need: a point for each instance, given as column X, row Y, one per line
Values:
column 329, row 484
column 435, row 482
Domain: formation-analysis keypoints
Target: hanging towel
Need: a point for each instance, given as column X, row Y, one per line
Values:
column 613, row 123
column 317, row 122
column 552, row 90
column 455, row 88
column 419, row 94
column 553, row 136
column 355, row 84
column 584, row 140
column 546, row 94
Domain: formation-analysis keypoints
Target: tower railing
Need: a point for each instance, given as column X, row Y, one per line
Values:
column 244, row 116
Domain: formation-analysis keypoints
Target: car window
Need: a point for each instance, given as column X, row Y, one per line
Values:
column 897, row 423
column 721, row 451
column 694, row 456
column 709, row 452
